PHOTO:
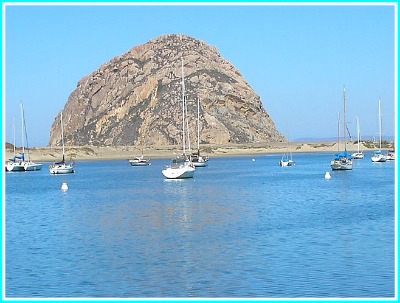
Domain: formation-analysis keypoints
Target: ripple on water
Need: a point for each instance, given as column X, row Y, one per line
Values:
column 237, row 229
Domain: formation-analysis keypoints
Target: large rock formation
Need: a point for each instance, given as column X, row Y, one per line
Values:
column 138, row 95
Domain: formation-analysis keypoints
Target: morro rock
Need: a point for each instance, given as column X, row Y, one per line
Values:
column 138, row 96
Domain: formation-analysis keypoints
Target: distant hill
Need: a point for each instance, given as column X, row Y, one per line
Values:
column 138, row 96
column 334, row 139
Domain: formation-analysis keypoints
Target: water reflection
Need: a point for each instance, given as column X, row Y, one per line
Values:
column 262, row 232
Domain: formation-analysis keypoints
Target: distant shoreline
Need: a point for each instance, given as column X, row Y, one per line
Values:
column 83, row 153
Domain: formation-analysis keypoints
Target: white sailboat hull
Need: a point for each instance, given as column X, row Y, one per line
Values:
column 58, row 169
column 378, row 158
column 198, row 161
column 139, row 162
column 15, row 166
column 391, row 156
column 357, row 155
column 182, row 171
column 31, row 166
column 340, row 165
column 200, row 164
column 286, row 163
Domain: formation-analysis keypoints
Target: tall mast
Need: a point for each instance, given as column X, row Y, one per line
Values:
column 358, row 135
column 344, row 116
column 22, row 131
column 380, row 124
column 338, row 131
column 198, row 125
column 142, row 145
column 187, row 126
column 14, row 136
column 183, row 111
column 62, row 136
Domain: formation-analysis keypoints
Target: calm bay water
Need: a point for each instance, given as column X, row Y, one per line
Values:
column 240, row 228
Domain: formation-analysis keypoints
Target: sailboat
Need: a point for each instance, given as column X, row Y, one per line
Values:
column 140, row 161
column 378, row 156
column 391, row 155
column 17, row 162
column 181, row 167
column 342, row 160
column 29, row 165
column 196, row 158
column 287, row 159
column 359, row 154
column 62, row 167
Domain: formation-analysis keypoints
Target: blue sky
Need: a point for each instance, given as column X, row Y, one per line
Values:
column 296, row 58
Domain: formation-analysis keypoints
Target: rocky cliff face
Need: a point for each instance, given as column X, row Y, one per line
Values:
column 138, row 96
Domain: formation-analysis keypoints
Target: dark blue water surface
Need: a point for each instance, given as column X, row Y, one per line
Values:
column 239, row 229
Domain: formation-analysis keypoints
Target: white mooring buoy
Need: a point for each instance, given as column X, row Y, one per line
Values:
column 327, row 175
column 64, row 186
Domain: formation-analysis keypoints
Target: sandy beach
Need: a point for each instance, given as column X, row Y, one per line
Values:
column 51, row 154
